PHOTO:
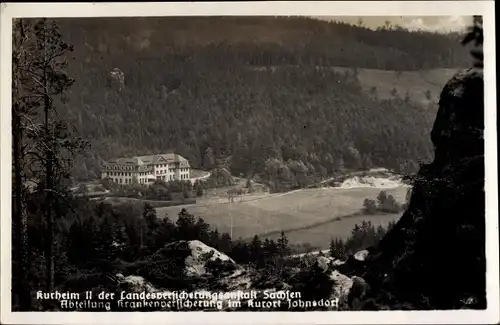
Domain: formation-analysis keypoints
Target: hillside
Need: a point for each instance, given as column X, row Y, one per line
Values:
column 443, row 230
column 288, row 128
column 422, row 86
column 198, row 86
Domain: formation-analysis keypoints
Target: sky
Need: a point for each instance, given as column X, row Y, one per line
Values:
column 440, row 24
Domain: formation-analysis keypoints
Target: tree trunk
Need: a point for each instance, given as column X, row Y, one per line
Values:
column 20, row 248
column 20, row 252
column 49, row 249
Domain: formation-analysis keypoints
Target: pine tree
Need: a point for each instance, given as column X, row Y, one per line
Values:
column 225, row 243
column 282, row 243
column 476, row 34
column 214, row 239
column 256, row 250
column 150, row 217
column 41, row 82
column 337, row 249
column 21, row 107
column 166, row 233
column 202, row 230
column 186, row 226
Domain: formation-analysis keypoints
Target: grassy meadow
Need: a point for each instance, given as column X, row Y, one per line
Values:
column 263, row 213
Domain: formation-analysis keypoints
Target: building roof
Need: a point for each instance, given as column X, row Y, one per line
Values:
column 151, row 159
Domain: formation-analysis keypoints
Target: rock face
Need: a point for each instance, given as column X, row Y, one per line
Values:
column 323, row 262
column 361, row 255
column 343, row 284
column 210, row 271
column 134, row 283
column 441, row 236
column 117, row 78
column 200, row 255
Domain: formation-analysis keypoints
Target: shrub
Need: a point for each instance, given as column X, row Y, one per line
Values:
column 369, row 206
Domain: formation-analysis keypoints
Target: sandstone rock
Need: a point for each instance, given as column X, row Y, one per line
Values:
column 323, row 262
column 135, row 283
column 361, row 255
column 117, row 78
column 200, row 255
column 239, row 280
column 342, row 286
column 446, row 213
column 338, row 262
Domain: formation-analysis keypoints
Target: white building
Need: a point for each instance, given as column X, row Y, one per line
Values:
column 147, row 169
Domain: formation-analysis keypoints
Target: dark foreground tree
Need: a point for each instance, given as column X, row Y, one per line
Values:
column 44, row 147
column 21, row 108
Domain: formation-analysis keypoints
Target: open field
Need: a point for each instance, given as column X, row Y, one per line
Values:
column 416, row 83
column 320, row 235
column 263, row 213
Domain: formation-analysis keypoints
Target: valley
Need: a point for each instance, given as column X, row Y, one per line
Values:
column 312, row 216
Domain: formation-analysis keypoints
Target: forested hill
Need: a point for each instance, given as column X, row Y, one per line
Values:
column 260, row 40
column 200, row 86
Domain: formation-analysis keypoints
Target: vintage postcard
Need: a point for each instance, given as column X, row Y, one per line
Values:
column 249, row 163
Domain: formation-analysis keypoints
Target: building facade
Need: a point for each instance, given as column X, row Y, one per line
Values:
column 147, row 169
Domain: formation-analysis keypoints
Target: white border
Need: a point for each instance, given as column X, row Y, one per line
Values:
column 323, row 8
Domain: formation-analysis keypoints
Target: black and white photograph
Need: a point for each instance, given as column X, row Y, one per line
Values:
column 277, row 162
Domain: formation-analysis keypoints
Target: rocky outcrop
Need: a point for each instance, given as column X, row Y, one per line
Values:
column 343, row 284
column 117, row 79
column 361, row 255
column 134, row 283
column 200, row 255
column 206, row 270
column 442, row 233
